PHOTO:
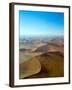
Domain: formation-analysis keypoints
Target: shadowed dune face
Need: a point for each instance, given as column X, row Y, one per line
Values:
column 43, row 60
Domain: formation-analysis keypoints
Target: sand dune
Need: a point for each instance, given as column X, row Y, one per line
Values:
column 52, row 65
column 50, row 47
column 49, row 64
column 29, row 68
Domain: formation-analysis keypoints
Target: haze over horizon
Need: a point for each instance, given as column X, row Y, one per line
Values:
column 37, row 23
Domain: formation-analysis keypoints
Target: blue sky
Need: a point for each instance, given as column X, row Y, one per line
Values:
column 36, row 23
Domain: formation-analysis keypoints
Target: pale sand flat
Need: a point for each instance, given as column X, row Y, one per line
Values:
column 29, row 68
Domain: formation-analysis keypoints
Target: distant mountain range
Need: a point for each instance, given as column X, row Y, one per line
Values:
column 41, row 39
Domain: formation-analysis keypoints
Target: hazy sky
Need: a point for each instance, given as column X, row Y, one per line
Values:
column 35, row 23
